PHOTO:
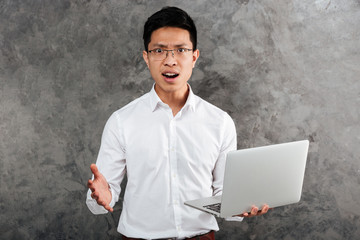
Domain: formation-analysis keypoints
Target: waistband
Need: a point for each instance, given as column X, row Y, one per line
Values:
column 207, row 236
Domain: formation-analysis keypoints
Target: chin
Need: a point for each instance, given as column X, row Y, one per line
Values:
column 170, row 87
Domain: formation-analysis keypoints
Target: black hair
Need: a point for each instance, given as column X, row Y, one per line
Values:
column 169, row 17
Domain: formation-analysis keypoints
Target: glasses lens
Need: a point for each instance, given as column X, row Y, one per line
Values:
column 161, row 54
column 158, row 54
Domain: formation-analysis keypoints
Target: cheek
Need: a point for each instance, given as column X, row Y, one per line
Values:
column 186, row 63
column 188, row 70
column 189, row 66
column 153, row 68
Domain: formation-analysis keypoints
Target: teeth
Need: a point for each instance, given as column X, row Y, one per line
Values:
column 170, row 74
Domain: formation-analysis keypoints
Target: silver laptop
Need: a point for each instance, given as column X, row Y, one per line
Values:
column 270, row 175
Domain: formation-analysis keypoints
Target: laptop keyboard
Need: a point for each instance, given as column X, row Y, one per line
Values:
column 214, row 207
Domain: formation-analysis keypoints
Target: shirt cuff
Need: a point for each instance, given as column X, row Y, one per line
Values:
column 94, row 207
column 113, row 200
column 234, row 219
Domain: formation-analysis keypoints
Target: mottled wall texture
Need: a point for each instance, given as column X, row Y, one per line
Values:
column 284, row 70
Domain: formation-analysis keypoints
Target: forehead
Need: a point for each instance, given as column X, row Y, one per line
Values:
column 170, row 36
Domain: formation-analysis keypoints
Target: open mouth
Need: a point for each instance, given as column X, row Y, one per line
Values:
column 170, row 75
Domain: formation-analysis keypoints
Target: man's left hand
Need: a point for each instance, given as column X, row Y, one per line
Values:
column 255, row 211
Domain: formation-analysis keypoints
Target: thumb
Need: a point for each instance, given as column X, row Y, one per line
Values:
column 95, row 170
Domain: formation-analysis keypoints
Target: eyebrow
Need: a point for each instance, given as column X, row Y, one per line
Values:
column 165, row 46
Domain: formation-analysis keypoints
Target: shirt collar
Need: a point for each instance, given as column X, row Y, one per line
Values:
column 155, row 100
column 191, row 99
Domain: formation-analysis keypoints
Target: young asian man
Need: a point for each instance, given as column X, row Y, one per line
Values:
column 171, row 144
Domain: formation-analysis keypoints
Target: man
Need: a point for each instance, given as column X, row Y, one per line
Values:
column 171, row 143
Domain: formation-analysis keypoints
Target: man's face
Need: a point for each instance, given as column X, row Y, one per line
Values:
column 173, row 71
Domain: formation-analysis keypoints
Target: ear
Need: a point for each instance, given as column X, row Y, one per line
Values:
column 196, row 55
column 146, row 57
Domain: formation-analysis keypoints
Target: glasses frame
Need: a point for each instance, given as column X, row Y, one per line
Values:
column 169, row 50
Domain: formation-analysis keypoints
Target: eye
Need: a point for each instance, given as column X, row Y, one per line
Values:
column 181, row 50
column 158, row 50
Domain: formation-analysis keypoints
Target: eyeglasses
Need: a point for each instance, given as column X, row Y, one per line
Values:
column 160, row 54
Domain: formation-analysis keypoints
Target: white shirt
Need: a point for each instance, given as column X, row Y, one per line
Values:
column 168, row 160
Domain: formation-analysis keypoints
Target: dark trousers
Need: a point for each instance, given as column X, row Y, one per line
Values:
column 208, row 236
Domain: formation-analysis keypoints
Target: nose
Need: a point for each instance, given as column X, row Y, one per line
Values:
column 172, row 52
column 170, row 60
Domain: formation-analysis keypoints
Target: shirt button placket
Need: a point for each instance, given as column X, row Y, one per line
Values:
column 174, row 174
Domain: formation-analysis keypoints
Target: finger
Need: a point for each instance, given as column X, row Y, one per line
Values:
column 107, row 207
column 94, row 170
column 102, row 203
column 265, row 209
column 95, row 196
column 92, row 195
column 254, row 210
column 90, row 185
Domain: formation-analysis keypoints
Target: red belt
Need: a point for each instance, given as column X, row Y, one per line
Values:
column 208, row 236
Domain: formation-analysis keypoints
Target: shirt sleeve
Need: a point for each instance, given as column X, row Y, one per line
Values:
column 110, row 162
column 229, row 144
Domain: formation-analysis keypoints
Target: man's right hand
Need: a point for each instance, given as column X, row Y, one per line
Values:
column 100, row 188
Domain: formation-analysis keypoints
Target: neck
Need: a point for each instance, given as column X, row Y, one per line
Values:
column 176, row 100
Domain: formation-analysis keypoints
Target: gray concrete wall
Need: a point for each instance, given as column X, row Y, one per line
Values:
column 284, row 70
